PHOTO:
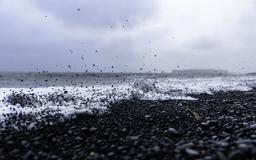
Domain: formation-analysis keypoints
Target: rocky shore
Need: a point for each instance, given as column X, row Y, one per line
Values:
column 220, row 126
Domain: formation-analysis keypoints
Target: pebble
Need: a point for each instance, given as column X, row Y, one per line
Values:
column 78, row 138
column 28, row 155
column 123, row 135
column 134, row 137
column 93, row 129
column 221, row 156
column 191, row 152
column 172, row 131
column 253, row 126
column 156, row 148
column 147, row 116
column 184, row 146
column 237, row 154
column 111, row 154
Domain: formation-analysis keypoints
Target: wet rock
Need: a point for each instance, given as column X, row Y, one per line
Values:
column 236, row 155
column 147, row 116
column 221, row 156
column 134, row 138
column 28, row 155
column 78, row 138
column 253, row 126
column 184, row 146
column 192, row 152
column 93, row 129
column 205, row 124
column 25, row 143
column 156, row 148
column 10, row 142
column 172, row 131
column 110, row 154
column 53, row 157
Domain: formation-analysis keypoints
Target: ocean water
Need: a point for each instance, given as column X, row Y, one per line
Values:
column 63, row 95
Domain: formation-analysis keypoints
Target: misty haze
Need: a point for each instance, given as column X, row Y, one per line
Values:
column 128, row 80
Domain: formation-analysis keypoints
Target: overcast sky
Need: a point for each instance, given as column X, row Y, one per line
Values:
column 129, row 35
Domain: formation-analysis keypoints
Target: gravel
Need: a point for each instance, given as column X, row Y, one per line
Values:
column 220, row 126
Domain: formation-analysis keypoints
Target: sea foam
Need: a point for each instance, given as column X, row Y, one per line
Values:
column 40, row 104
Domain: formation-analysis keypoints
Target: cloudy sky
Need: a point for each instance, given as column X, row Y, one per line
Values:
column 127, row 35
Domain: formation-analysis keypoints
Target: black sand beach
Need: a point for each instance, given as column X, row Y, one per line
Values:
column 220, row 126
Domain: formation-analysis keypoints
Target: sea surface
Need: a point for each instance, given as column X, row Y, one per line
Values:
column 44, row 95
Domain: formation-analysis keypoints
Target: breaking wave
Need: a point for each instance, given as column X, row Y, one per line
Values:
column 26, row 107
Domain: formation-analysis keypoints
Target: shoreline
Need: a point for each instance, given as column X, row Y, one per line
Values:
column 219, row 126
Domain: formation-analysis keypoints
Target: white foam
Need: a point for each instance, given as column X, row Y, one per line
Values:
column 81, row 99
column 206, row 85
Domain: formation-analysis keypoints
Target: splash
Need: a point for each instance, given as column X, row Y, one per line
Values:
column 28, row 107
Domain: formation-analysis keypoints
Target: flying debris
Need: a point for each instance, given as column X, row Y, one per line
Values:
column 70, row 51
column 78, row 9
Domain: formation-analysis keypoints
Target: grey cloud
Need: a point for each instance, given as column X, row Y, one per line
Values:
column 98, row 13
column 30, row 41
column 201, row 44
